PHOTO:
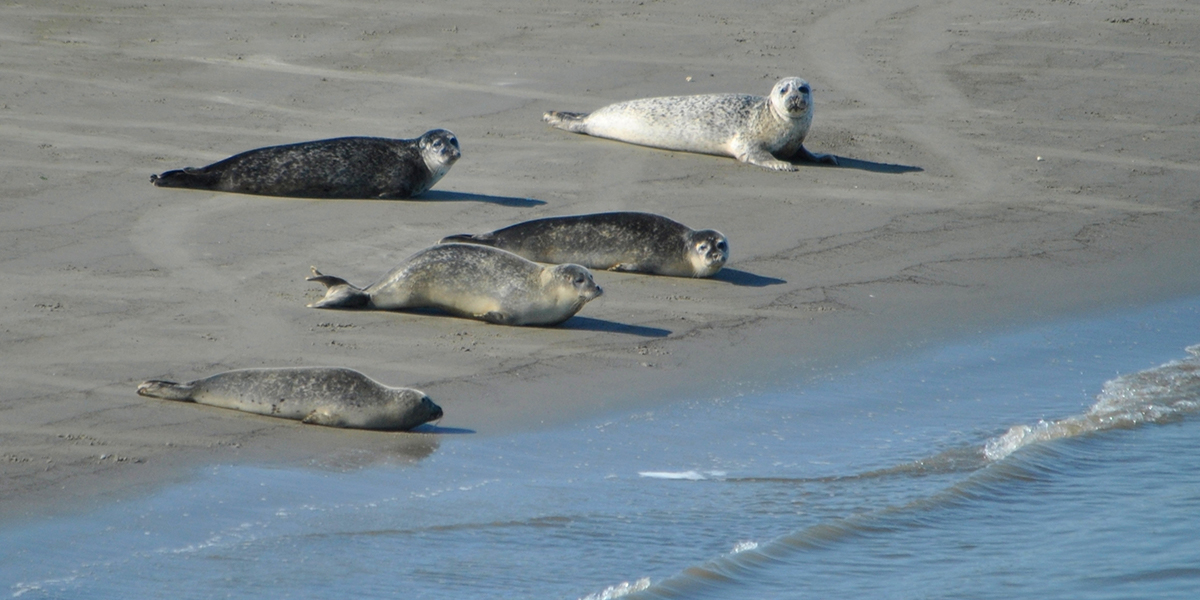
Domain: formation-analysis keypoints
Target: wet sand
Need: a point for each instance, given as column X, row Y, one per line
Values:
column 1002, row 163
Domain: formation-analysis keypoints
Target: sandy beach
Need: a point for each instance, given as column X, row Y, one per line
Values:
column 1001, row 163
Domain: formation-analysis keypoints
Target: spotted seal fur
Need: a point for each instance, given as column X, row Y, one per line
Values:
column 753, row 129
column 617, row 241
column 468, row 280
column 347, row 167
column 330, row 396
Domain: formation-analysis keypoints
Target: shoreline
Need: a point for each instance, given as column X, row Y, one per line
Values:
column 112, row 281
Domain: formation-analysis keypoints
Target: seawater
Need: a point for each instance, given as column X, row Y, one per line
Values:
column 1057, row 461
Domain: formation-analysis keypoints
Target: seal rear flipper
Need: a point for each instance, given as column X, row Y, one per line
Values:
column 484, row 239
column 167, row 390
column 186, row 178
column 339, row 294
column 570, row 121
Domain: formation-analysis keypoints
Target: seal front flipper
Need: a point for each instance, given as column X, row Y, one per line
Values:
column 496, row 317
column 324, row 416
column 167, row 390
column 625, row 268
column 339, row 293
column 764, row 159
column 805, row 154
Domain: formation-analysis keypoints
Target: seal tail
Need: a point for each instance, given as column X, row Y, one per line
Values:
column 167, row 390
column 338, row 293
column 187, row 178
column 570, row 121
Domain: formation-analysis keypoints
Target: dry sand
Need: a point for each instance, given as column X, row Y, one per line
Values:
column 109, row 280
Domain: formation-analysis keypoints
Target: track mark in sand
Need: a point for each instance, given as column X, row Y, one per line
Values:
column 274, row 65
column 168, row 236
column 909, row 82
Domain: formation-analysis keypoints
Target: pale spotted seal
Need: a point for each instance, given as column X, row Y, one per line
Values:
column 468, row 280
column 329, row 396
column 348, row 167
column 752, row 129
column 618, row 241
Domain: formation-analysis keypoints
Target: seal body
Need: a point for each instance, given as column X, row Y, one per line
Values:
column 329, row 396
column 348, row 167
column 753, row 129
column 618, row 241
column 473, row 281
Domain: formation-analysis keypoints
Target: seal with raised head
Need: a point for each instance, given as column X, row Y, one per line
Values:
column 468, row 280
column 330, row 396
column 753, row 129
column 347, row 167
column 617, row 241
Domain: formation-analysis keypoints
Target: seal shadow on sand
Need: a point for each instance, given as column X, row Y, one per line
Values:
column 449, row 196
column 439, row 430
column 576, row 322
column 593, row 324
column 745, row 278
column 845, row 162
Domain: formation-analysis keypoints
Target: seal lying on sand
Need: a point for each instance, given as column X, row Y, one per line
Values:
column 752, row 129
column 319, row 395
column 349, row 167
column 617, row 241
column 471, row 281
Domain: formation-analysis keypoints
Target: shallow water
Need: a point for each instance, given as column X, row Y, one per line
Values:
column 1053, row 462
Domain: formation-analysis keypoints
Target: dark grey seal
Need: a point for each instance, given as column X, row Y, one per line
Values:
column 753, row 129
column 348, row 167
column 472, row 281
column 329, row 396
column 617, row 241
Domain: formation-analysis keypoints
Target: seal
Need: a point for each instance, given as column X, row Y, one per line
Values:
column 347, row 167
column 753, row 129
column 617, row 241
column 467, row 280
column 329, row 396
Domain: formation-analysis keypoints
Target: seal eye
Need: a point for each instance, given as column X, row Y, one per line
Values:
column 804, row 89
column 703, row 247
column 722, row 246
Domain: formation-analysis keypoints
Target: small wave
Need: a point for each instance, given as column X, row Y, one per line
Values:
column 1161, row 394
column 21, row 587
column 617, row 591
column 1155, row 395
column 685, row 475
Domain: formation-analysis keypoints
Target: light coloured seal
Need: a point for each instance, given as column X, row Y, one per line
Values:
column 617, row 241
column 348, row 167
column 752, row 129
column 473, row 281
column 329, row 396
